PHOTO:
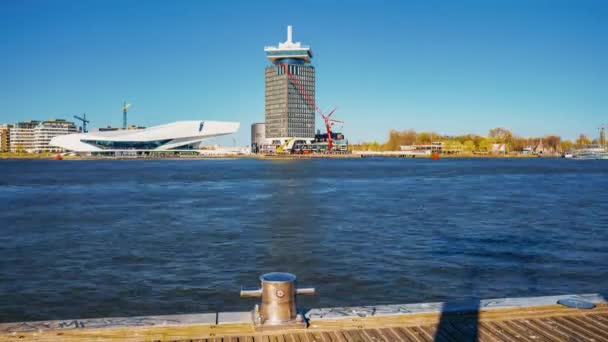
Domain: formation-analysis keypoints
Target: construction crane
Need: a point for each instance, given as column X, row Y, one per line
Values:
column 328, row 124
column 124, row 114
column 283, row 147
column 326, row 118
column 84, row 121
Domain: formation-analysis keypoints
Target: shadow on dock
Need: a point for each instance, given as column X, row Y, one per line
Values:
column 459, row 318
column 459, row 321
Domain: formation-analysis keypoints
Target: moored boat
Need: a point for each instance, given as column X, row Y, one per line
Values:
column 591, row 152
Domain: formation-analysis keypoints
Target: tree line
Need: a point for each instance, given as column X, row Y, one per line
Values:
column 474, row 142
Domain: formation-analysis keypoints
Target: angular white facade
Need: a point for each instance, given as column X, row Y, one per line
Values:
column 34, row 136
column 176, row 136
column 47, row 130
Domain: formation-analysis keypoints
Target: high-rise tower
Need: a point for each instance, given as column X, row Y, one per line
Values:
column 287, row 112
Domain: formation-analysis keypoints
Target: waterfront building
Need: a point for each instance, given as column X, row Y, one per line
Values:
column 174, row 137
column 47, row 130
column 22, row 136
column 258, row 136
column 436, row 146
column 288, row 112
column 34, row 136
column 5, row 138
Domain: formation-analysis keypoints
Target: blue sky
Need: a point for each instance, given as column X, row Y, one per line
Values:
column 536, row 67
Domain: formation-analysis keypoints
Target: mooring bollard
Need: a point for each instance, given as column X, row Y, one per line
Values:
column 278, row 304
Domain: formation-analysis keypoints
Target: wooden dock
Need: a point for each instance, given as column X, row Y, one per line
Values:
column 511, row 319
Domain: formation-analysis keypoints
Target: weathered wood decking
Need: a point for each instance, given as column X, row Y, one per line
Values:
column 519, row 319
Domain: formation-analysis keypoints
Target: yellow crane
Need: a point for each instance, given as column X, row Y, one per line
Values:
column 124, row 114
column 281, row 149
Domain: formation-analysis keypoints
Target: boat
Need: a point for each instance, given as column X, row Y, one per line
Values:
column 591, row 152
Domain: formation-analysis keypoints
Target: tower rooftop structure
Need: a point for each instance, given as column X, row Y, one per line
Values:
column 294, row 52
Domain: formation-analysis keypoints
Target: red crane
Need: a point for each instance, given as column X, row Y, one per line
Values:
column 328, row 121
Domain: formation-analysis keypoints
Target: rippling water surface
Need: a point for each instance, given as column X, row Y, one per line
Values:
column 115, row 238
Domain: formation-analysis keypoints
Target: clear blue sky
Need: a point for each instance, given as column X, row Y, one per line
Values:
column 536, row 67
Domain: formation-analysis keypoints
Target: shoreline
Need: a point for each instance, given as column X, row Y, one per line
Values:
column 362, row 155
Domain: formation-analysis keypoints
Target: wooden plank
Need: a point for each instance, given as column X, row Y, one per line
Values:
column 595, row 320
column 431, row 330
column 345, row 335
column 499, row 329
column 537, row 329
column 564, row 330
column 552, row 329
column 434, row 318
column 374, row 336
column 468, row 328
column 404, row 334
column 421, row 334
column 530, row 332
column 488, row 334
column 460, row 332
column 601, row 318
column 584, row 330
column 521, row 333
column 316, row 336
column 305, row 337
column 327, row 337
column 389, row 335
column 337, row 336
column 353, row 335
column 415, row 333
column 594, row 328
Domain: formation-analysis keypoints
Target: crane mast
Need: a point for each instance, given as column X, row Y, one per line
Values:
column 124, row 114
column 84, row 121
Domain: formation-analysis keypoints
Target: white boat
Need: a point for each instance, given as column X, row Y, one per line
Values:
column 591, row 152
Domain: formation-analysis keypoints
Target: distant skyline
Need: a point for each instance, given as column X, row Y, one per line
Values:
column 534, row 67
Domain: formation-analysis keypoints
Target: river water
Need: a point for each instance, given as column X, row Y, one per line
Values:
column 100, row 238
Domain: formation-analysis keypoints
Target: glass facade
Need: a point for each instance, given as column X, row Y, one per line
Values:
column 292, row 52
column 288, row 113
column 127, row 145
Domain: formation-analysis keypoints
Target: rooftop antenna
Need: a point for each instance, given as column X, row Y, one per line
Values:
column 124, row 114
column 84, row 121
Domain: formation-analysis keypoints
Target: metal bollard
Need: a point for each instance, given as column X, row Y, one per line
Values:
column 278, row 304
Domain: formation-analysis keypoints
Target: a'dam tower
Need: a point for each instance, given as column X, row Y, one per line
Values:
column 288, row 112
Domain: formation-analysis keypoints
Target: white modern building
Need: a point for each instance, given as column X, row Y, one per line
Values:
column 175, row 137
column 47, row 130
column 34, row 136
column 22, row 136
